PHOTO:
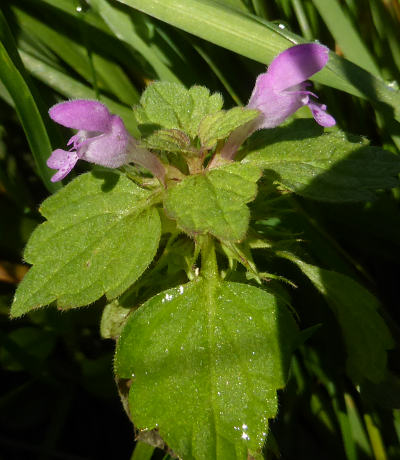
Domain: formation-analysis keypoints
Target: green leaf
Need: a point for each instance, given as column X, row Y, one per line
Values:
column 215, row 201
column 171, row 140
column 205, row 360
column 167, row 104
column 219, row 125
column 324, row 166
column 113, row 319
column 203, row 104
column 100, row 235
column 365, row 333
column 172, row 106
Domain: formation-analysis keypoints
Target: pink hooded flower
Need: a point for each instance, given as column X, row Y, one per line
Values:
column 282, row 90
column 102, row 139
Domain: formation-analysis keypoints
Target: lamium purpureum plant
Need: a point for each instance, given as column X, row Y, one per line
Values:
column 170, row 235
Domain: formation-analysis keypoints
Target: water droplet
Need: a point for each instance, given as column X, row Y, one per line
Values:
column 244, row 426
column 79, row 9
column 218, row 393
column 167, row 298
column 393, row 84
column 133, row 376
column 181, row 289
column 166, row 350
column 182, row 347
column 282, row 26
column 250, row 318
column 245, row 436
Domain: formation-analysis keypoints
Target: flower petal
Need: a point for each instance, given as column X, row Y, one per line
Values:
column 320, row 115
column 277, row 107
column 110, row 149
column 296, row 65
column 82, row 114
column 62, row 160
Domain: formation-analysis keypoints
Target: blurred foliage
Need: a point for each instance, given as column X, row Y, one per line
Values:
column 59, row 400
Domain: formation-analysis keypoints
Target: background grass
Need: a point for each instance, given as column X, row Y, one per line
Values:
column 58, row 397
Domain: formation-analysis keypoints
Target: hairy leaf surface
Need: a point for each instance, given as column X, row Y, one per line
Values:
column 172, row 106
column 100, row 235
column 215, row 201
column 205, row 360
column 323, row 166
column 171, row 140
column 219, row 125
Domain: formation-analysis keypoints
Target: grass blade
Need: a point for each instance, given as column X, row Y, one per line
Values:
column 121, row 25
column 345, row 34
column 108, row 74
column 262, row 41
column 12, row 76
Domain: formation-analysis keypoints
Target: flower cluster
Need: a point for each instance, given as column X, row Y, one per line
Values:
column 103, row 139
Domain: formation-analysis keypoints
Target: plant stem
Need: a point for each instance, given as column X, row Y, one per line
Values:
column 209, row 266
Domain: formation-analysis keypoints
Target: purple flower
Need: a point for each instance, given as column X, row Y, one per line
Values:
column 282, row 90
column 102, row 139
